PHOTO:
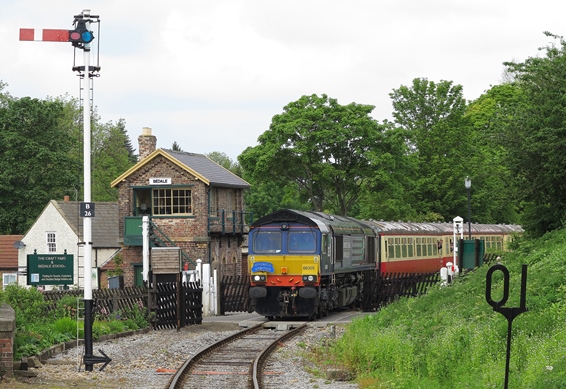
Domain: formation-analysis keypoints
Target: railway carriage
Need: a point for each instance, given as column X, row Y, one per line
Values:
column 307, row 263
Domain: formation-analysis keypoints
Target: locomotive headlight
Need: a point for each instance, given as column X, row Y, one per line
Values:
column 259, row 278
column 309, row 278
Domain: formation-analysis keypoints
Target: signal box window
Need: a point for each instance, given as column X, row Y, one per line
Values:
column 301, row 242
column 267, row 242
column 172, row 202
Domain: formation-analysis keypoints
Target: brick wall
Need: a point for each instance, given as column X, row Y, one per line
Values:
column 188, row 233
column 7, row 330
column 147, row 143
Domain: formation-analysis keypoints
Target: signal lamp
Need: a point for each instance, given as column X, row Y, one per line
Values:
column 80, row 35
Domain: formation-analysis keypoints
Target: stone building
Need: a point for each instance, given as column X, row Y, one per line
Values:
column 193, row 204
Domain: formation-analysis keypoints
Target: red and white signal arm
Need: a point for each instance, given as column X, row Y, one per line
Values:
column 44, row 35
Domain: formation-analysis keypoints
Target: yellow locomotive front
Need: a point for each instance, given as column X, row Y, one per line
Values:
column 284, row 267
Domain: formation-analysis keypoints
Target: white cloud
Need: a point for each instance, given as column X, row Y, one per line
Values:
column 211, row 74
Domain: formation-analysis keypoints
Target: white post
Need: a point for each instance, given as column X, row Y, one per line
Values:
column 216, row 294
column 199, row 271
column 206, row 289
column 145, row 242
column 87, row 221
column 458, row 234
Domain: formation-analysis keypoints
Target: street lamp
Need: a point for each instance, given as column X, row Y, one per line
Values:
column 468, row 184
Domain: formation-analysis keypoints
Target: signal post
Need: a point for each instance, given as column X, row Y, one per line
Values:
column 81, row 37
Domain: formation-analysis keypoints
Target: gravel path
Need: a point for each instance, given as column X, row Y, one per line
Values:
column 149, row 360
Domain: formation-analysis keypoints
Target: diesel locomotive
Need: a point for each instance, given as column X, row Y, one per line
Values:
column 307, row 263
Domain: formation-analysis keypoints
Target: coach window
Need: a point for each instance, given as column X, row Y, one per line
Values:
column 404, row 247
column 410, row 246
column 429, row 245
column 397, row 248
column 390, row 249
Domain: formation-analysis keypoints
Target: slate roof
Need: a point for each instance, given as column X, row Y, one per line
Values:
column 200, row 165
column 8, row 253
column 216, row 174
column 104, row 224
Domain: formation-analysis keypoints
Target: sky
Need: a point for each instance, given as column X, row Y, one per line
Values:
column 211, row 74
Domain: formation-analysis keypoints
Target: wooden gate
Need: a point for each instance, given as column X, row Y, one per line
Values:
column 381, row 289
column 234, row 294
column 176, row 305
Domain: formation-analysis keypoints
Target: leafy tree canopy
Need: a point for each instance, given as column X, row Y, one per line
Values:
column 36, row 163
column 320, row 147
column 536, row 137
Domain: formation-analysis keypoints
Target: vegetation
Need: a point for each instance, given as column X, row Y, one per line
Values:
column 41, row 157
column 451, row 337
column 324, row 156
column 34, row 333
column 322, row 148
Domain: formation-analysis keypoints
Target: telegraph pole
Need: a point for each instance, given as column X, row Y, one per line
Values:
column 81, row 37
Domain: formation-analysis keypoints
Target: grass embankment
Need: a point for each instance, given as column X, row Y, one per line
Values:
column 451, row 338
column 40, row 326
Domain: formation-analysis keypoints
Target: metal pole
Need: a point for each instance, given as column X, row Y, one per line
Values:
column 469, row 216
column 87, row 267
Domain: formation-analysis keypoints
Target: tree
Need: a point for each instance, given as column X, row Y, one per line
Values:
column 225, row 161
column 36, row 163
column 439, row 139
column 321, row 148
column 175, row 147
column 110, row 158
column 536, row 137
column 490, row 115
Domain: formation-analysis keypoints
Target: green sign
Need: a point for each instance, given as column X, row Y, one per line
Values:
column 50, row 269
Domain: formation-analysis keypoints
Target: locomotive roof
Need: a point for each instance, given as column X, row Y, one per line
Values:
column 345, row 225
column 323, row 221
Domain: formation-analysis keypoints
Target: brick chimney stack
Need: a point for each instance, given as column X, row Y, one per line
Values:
column 146, row 143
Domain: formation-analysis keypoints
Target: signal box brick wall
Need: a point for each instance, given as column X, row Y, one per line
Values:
column 188, row 233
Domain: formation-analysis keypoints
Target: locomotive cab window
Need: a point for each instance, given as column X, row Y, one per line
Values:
column 267, row 242
column 301, row 242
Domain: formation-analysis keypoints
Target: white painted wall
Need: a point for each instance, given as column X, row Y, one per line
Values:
column 51, row 220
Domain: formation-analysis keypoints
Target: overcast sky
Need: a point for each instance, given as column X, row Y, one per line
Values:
column 210, row 75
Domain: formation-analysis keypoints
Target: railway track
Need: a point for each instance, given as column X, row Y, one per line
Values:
column 234, row 362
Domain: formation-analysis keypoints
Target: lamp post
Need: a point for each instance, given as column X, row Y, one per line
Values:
column 468, row 184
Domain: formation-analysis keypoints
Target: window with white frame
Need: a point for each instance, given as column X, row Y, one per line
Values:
column 172, row 201
column 9, row 278
column 51, row 243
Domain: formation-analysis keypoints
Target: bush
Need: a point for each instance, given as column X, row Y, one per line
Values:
column 28, row 304
column 67, row 307
column 66, row 326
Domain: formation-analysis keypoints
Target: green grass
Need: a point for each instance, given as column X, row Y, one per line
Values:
column 451, row 338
